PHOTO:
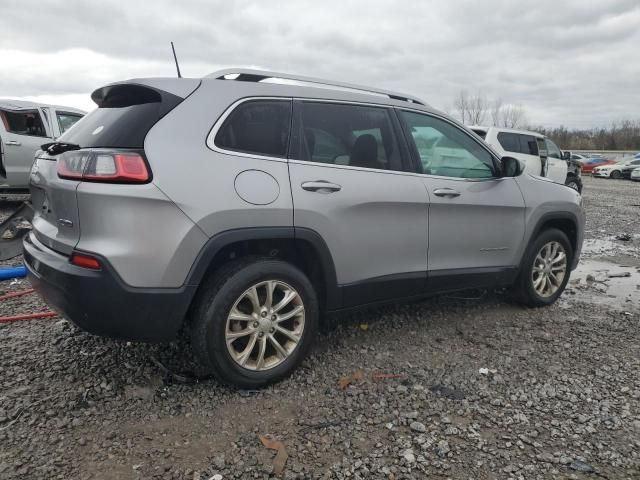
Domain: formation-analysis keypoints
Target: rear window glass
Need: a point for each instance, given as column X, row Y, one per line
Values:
column 123, row 127
column 125, row 115
column 481, row 133
column 24, row 122
column 509, row 141
column 259, row 127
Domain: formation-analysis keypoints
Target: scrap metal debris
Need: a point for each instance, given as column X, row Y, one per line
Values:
column 281, row 457
column 623, row 237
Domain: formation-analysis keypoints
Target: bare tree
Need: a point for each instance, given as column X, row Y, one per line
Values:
column 472, row 109
column 513, row 116
column 496, row 111
column 478, row 107
column 461, row 105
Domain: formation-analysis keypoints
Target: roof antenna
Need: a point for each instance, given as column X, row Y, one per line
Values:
column 176, row 60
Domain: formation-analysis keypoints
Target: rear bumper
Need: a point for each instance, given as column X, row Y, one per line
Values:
column 100, row 303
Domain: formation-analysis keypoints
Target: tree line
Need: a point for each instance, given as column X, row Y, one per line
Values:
column 477, row 109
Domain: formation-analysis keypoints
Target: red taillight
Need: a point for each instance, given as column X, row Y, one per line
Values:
column 85, row 261
column 103, row 166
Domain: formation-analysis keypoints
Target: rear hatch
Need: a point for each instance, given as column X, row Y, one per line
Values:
column 116, row 129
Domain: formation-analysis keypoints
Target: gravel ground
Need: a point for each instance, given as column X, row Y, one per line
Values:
column 462, row 387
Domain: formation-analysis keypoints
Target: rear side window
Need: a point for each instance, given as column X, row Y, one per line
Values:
column 24, row 122
column 67, row 120
column 353, row 135
column 258, row 127
column 509, row 141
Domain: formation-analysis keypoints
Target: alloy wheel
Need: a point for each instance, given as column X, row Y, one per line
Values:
column 549, row 269
column 265, row 325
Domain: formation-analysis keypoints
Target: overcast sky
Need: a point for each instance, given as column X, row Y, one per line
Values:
column 570, row 62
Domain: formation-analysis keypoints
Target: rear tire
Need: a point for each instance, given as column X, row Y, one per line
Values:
column 244, row 335
column 545, row 269
column 616, row 175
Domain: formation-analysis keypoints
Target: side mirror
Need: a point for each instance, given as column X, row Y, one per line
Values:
column 566, row 155
column 511, row 167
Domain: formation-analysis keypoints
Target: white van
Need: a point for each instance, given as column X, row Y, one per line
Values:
column 24, row 126
column 541, row 156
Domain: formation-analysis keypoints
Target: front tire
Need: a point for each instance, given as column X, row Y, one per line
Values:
column 545, row 269
column 254, row 322
column 616, row 175
column 574, row 183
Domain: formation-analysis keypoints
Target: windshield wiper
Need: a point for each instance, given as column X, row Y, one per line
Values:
column 54, row 148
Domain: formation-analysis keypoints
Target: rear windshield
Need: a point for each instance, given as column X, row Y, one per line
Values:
column 481, row 133
column 123, row 127
column 123, row 118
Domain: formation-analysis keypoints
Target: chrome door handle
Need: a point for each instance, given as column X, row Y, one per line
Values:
column 13, row 142
column 446, row 192
column 321, row 186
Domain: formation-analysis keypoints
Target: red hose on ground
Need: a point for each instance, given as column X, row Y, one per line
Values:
column 16, row 294
column 30, row 316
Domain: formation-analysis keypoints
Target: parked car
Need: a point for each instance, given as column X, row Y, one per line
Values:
column 595, row 162
column 24, row 127
column 574, row 172
column 635, row 175
column 578, row 157
column 248, row 220
column 539, row 154
column 621, row 169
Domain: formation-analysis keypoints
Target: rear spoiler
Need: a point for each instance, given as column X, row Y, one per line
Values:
column 143, row 90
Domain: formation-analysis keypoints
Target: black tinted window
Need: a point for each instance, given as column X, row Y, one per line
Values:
column 353, row 135
column 26, row 122
column 528, row 145
column 260, row 127
column 509, row 141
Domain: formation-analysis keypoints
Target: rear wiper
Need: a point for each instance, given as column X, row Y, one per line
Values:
column 54, row 148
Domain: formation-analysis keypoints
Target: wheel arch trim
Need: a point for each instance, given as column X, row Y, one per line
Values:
column 228, row 237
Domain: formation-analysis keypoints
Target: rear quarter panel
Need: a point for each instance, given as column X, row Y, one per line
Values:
column 201, row 181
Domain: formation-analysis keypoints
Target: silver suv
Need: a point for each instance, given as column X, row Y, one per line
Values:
column 248, row 204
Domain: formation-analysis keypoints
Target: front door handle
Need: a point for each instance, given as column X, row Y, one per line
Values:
column 446, row 192
column 13, row 142
column 321, row 186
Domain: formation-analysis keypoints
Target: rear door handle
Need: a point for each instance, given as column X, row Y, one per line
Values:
column 13, row 142
column 446, row 192
column 321, row 186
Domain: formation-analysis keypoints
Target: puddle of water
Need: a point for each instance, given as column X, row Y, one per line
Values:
column 601, row 282
column 609, row 246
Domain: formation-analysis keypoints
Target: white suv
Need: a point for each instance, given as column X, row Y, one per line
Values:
column 24, row 127
column 539, row 154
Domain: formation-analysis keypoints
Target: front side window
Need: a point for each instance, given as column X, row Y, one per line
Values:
column 552, row 150
column 24, row 122
column 354, row 135
column 259, row 127
column 446, row 150
column 67, row 120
